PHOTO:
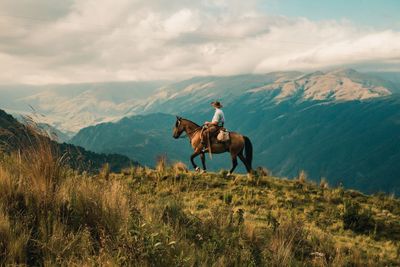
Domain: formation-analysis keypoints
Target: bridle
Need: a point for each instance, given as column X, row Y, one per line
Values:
column 187, row 134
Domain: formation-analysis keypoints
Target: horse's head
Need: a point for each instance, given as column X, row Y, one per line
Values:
column 178, row 128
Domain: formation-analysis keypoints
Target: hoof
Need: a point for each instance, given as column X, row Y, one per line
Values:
column 203, row 171
column 197, row 169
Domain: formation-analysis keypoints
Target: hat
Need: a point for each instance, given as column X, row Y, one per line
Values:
column 216, row 104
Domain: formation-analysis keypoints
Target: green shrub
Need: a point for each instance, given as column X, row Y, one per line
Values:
column 357, row 219
column 228, row 198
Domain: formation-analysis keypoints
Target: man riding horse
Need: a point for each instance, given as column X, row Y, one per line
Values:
column 238, row 145
column 212, row 128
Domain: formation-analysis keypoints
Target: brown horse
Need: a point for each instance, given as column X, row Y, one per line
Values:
column 236, row 145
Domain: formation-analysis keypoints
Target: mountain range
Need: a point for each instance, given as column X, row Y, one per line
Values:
column 340, row 124
column 71, row 107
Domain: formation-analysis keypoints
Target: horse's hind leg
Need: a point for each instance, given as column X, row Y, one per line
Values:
column 203, row 161
column 234, row 163
column 243, row 159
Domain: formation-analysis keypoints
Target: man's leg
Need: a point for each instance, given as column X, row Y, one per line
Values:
column 208, row 135
column 204, row 136
column 213, row 132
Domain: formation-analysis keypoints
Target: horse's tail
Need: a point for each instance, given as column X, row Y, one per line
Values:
column 248, row 151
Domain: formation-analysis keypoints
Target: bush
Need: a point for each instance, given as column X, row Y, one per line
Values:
column 288, row 243
column 357, row 219
column 262, row 172
column 302, row 177
column 162, row 164
column 180, row 167
column 323, row 184
column 105, row 171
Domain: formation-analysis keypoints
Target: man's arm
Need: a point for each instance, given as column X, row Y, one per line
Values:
column 215, row 119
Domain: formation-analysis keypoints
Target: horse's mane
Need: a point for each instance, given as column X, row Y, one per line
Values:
column 191, row 122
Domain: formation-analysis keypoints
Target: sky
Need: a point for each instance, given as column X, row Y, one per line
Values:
column 71, row 41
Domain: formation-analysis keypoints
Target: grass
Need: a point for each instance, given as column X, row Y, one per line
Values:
column 52, row 215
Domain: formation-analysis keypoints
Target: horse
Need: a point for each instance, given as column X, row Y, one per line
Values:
column 236, row 145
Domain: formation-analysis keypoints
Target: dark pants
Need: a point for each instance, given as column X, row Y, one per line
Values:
column 211, row 131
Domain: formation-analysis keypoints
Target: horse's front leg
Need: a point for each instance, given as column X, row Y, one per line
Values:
column 195, row 154
column 203, row 160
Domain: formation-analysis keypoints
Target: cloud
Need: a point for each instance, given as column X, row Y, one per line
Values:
column 102, row 40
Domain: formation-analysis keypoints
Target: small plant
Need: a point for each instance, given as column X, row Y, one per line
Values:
column 357, row 219
column 228, row 198
column 180, row 167
column 272, row 221
column 223, row 173
column 262, row 172
column 105, row 171
column 323, row 184
column 162, row 163
column 128, row 171
column 302, row 177
column 288, row 241
column 239, row 216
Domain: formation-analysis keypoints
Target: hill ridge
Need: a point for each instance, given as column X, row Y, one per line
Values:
column 15, row 135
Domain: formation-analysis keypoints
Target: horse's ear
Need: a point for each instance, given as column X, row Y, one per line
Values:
column 178, row 118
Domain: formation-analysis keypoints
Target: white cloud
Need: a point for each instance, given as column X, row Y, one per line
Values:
column 97, row 40
column 180, row 22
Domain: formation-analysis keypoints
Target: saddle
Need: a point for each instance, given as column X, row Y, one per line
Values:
column 223, row 135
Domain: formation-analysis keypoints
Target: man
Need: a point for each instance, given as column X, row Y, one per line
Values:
column 216, row 123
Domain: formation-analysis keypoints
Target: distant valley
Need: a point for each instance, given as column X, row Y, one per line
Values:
column 72, row 107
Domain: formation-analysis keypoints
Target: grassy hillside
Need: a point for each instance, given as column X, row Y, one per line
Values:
column 15, row 136
column 50, row 215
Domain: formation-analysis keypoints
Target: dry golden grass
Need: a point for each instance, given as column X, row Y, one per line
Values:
column 161, row 163
column 302, row 177
column 323, row 184
column 180, row 167
column 263, row 172
column 51, row 215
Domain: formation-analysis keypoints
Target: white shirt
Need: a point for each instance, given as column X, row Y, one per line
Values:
column 219, row 116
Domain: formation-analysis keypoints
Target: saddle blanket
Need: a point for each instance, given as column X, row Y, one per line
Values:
column 223, row 135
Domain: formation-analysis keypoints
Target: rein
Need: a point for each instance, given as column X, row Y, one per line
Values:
column 188, row 133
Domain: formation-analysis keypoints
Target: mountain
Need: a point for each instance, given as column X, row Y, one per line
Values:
column 336, row 85
column 142, row 138
column 51, row 131
column 54, row 133
column 15, row 135
column 74, row 106
column 342, row 125
column 392, row 79
column 354, row 142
